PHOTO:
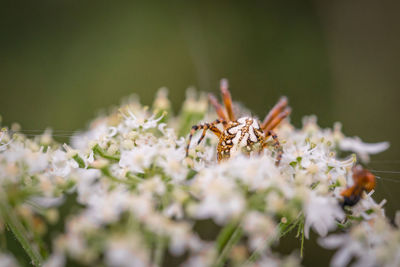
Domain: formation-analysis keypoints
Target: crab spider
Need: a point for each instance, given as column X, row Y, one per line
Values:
column 245, row 133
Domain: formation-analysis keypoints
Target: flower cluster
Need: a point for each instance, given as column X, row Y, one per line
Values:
column 123, row 193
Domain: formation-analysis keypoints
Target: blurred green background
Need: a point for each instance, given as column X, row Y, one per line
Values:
column 63, row 61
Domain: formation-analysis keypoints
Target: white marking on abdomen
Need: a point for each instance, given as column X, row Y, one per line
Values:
column 234, row 130
column 253, row 136
column 235, row 140
column 244, row 140
column 243, row 120
column 255, row 124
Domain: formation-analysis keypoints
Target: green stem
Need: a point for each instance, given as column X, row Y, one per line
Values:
column 99, row 151
column 106, row 172
column 79, row 160
column 234, row 237
column 301, row 230
column 253, row 257
column 19, row 232
column 298, row 231
column 160, row 250
column 134, row 178
column 285, row 230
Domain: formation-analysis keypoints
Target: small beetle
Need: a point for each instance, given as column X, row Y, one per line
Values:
column 243, row 134
column 364, row 180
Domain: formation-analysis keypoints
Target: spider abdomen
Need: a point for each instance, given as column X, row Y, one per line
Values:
column 239, row 135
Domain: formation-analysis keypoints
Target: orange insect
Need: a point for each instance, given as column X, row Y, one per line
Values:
column 243, row 134
column 364, row 180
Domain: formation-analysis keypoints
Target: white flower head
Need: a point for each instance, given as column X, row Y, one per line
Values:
column 62, row 164
column 138, row 159
column 321, row 214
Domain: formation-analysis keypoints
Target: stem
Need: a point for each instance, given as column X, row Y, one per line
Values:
column 301, row 231
column 288, row 228
column 79, row 160
column 298, row 231
column 134, row 178
column 226, row 248
column 106, row 172
column 99, row 151
column 19, row 232
column 253, row 257
column 160, row 249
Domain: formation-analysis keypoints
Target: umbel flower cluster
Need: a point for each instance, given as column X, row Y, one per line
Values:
column 123, row 193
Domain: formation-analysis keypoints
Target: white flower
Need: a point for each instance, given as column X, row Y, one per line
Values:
column 62, row 164
column 347, row 249
column 7, row 260
column 152, row 186
column 47, row 202
column 16, row 152
column 55, row 260
column 171, row 160
column 203, row 258
column 99, row 129
column 268, row 260
column 219, row 200
column 85, row 183
column 174, row 211
column 367, row 203
column 138, row 159
column 370, row 243
column 257, row 173
column 106, row 207
column 261, row 229
column 321, row 214
column 397, row 218
column 141, row 206
column 134, row 122
column 37, row 161
column 3, row 146
column 362, row 149
column 180, row 237
column 127, row 252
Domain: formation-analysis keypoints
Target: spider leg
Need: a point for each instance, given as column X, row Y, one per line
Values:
column 226, row 96
column 218, row 108
column 211, row 127
column 277, row 147
column 278, row 108
column 276, row 120
column 206, row 126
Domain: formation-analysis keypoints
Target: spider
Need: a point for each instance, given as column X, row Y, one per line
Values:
column 364, row 180
column 243, row 134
